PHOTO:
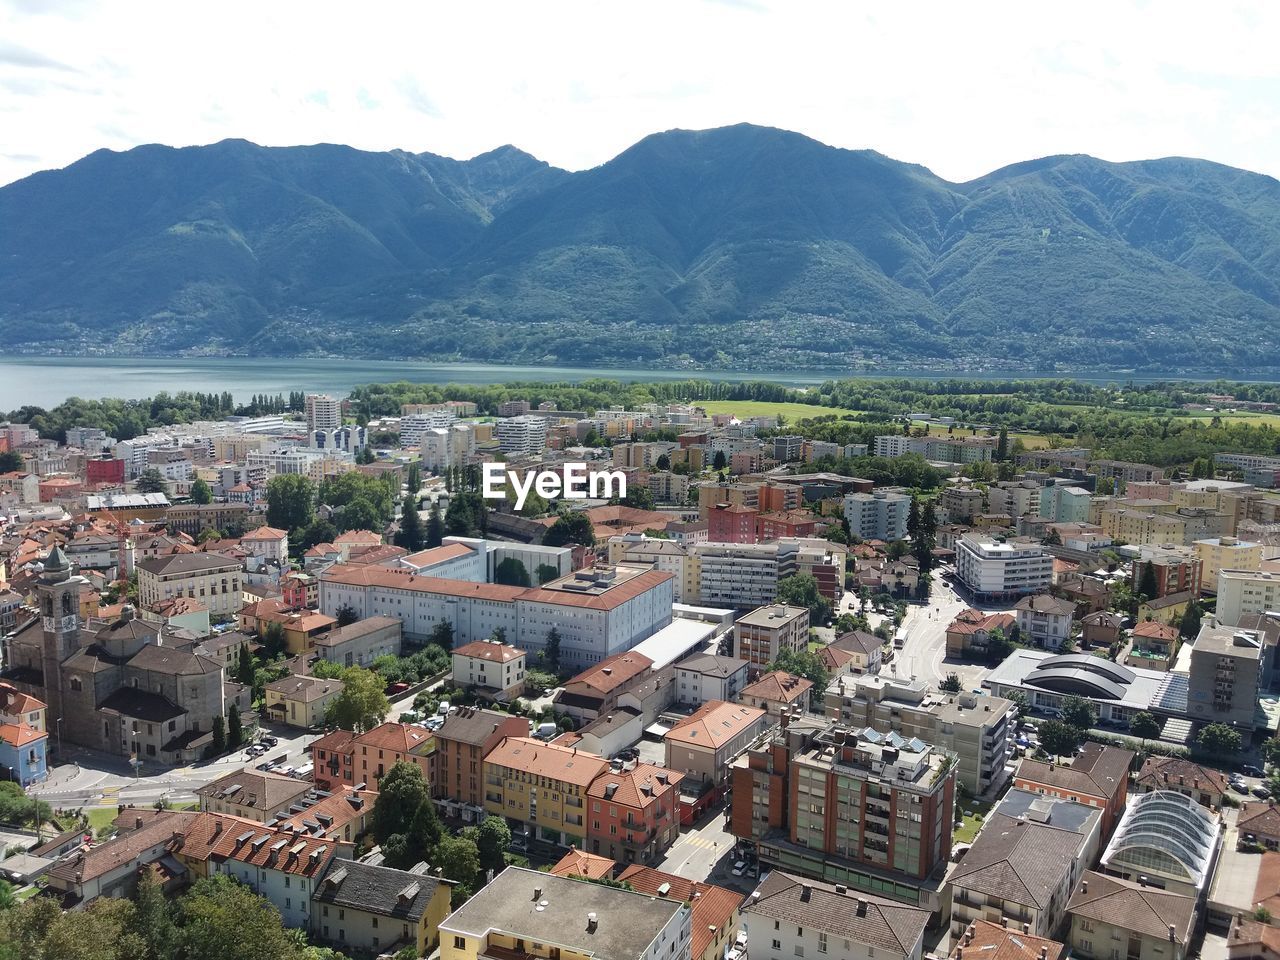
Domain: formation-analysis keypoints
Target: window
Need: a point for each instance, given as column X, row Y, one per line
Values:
column 777, row 944
column 799, row 950
column 459, row 943
column 822, row 943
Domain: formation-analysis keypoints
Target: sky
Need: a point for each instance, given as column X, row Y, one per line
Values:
column 962, row 88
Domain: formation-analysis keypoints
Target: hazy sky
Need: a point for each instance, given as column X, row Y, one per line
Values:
column 962, row 88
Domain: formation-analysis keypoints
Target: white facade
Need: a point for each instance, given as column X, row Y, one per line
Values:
column 697, row 684
column 880, row 515
column 737, row 575
column 414, row 427
column 522, row 436
column 323, row 412
column 347, row 439
column 1243, row 593
column 492, row 672
column 991, row 568
column 444, row 447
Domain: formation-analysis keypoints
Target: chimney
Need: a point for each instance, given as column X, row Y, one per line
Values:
column 1173, row 933
column 1084, row 886
column 591, row 923
column 959, row 953
column 806, row 891
column 1026, row 928
column 1044, row 953
column 1004, row 922
column 862, row 906
column 1051, row 766
column 537, row 893
column 137, row 823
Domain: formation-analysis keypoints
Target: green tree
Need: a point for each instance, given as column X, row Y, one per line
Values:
column 442, row 635
column 1219, row 740
column 291, row 502
column 360, row 514
column 346, row 615
column 1079, row 712
column 244, row 666
column 999, row 646
column 316, row 532
column 459, row 860
column 1002, row 445
column 537, row 682
column 546, row 573
column 200, row 492
column 414, row 480
column 662, row 463
column 804, row 663
column 1189, row 625
column 219, row 746
column 718, row 461
column 1147, row 581
column 950, row 683
column 1271, row 751
column 913, row 517
column 11, row 462
column 435, row 527
column 638, row 497
column 410, row 535
column 150, row 481
column 327, row 670
column 570, row 527
column 493, row 837
column 1144, row 726
column 511, row 572
column 401, row 792
column 7, row 898
column 551, row 651
column 1021, row 704
column 154, row 919
column 207, row 534
column 235, row 728
column 1060, row 739
column 801, row 590
column 220, row 918
column 361, row 705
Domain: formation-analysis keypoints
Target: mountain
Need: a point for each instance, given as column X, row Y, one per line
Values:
column 742, row 246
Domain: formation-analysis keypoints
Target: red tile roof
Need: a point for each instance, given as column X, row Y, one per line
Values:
column 628, row 785
column 20, row 734
column 402, row 737
column 610, row 673
column 547, row 760
column 712, row 906
column 489, row 650
column 714, row 724
column 579, row 863
column 779, row 686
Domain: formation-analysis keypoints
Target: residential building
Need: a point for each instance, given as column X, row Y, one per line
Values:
column 111, row 869
column 985, row 938
column 1016, row 498
column 1045, row 620
column 1204, row 785
column 1089, row 594
column 252, row 794
column 300, row 701
column 323, row 412
column 345, row 759
column 414, row 427
column 541, row 788
column 707, row 676
column 732, row 523
column 1247, row 593
column 761, row 635
column 779, row 694
column 1176, row 568
column 869, row 810
column 743, row 576
column 1227, row 668
column 715, row 910
column 24, row 752
column 1165, row 840
column 1225, row 553
column 214, row 580
column 462, row 742
column 865, row 650
column 789, row 916
column 1064, row 503
column 579, row 863
column 1108, row 915
column 703, row 744
column 961, row 504
column 360, row 906
column 994, row 569
column 541, row 917
column 445, row 447
column 1098, row 776
column 786, row 523
column 879, row 515
column 972, row 629
column 595, row 691
column 22, row 709
column 634, row 815
column 282, row 867
column 492, row 668
column 359, row 644
column 975, row 729
column 1100, row 629
column 268, row 543
column 522, row 436
column 1154, row 646
column 1261, row 821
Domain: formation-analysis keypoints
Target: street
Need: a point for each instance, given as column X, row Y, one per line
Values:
column 705, row 852
column 924, row 655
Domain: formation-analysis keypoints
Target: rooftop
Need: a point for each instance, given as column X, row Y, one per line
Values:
column 398, row 894
column 774, row 615
column 489, row 650
column 470, row 725
column 985, row 940
column 1131, row 906
column 1018, row 860
column 714, row 724
column 263, row 791
column 564, row 764
column 1096, row 771
column 579, row 863
column 779, row 686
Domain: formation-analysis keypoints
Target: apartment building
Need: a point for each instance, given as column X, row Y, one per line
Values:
column 283, row 867
column 961, row 504
column 1224, row 553
column 848, row 805
column 444, row 447
column 667, row 556
column 490, row 667
column 977, row 730
column 879, row 515
column 1045, row 620
column 360, row 906
column 541, row 788
column 595, row 691
column 634, row 815
column 252, row 794
column 1108, row 914
column 342, row 758
column 300, row 701
column 702, row 745
column 779, row 694
column 764, row 633
column 1016, row 498
column 1176, row 568
column 1098, row 776
column 523, row 436
column 414, row 427
column 708, row 676
column 1228, row 665
column 462, row 742
column 732, row 523
column 789, row 917
column 996, row 568
column 1243, row 593
column 1064, row 503
column 540, row 916
column 212, row 579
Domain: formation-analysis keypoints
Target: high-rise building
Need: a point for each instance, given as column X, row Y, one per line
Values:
column 523, row 436
column 1227, row 667
column 991, row 568
column 323, row 412
column 880, row 515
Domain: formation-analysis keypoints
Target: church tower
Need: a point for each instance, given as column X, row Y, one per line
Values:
column 59, row 594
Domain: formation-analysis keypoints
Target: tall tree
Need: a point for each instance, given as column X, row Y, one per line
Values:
column 913, row 516
column 1002, row 445
column 492, row 840
column 1058, row 738
column 1079, row 712
column 1147, row 581
column 154, row 923
column 435, row 528
column 1218, row 740
column 551, row 652
column 1189, row 625
column 415, row 478
column 235, row 729
column 361, row 705
column 150, row 481
column 221, row 918
column 219, row 736
column 1144, row 726
column 200, row 492
column 570, row 527
column 410, row 534
column 801, row 590
column 244, row 665
column 718, row 461
column 291, row 501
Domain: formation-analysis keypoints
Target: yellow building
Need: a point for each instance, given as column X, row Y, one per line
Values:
column 1225, row 553
column 542, row 786
column 379, row 910
column 213, row 580
column 300, row 701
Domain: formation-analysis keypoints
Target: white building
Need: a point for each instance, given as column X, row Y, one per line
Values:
column 444, row 447
column 415, row 426
column 522, row 436
column 351, row 439
column 992, row 568
column 323, row 412
column 491, row 666
column 283, row 867
column 879, row 515
column 1244, row 593
column 1225, row 553
column 737, row 574
column 1045, row 620
column 708, row 676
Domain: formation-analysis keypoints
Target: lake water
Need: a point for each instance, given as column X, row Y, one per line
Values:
column 46, row 382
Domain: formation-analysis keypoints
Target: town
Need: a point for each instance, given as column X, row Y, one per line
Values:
column 355, row 675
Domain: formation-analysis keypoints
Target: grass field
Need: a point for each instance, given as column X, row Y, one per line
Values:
column 764, row 408
column 1253, row 419
column 975, row 811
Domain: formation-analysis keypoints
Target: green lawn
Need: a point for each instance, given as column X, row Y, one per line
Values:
column 101, row 817
column 974, row 812
column 764, row 408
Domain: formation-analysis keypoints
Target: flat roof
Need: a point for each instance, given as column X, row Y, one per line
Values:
column 674, row 641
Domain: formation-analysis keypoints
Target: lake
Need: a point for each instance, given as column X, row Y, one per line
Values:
column 47, row 381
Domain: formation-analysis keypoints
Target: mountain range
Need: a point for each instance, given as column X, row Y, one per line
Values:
column 740, row 246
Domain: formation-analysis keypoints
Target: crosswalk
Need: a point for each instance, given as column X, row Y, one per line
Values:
column 110, row 797
column 700, row 842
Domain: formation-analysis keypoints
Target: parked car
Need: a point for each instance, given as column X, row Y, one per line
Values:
column 397, row 688
column 1239, row 786
column 1260, row 791
column 1252, row 771
column 270, row 741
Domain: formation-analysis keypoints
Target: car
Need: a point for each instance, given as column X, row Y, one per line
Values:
column 1239, row 786
column 270, row 741
column 979, row 691
column 738, row 868
column 1260, row 791
column 397, row 688
column 1251, row 771
column 1023, row 742
column 265, row 765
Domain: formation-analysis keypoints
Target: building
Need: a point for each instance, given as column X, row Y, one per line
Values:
column 707, row 676
column 1108, row 914
column 283, row 867
column 1021, row 870
column 789, row 916
column 111, row 869
column 541, row 788
column 715, row 910
column 268, row 543
column 366, row 907
column 595, row 691
column 344, row 759
column 492, row 668
column 703, row 744
column 539, row 916
column 880, row 515
column 1098, row 776
column 24, row 751
column 323, row 412
column 995, row 569
column 1100, row 629
column 1165, row 840
column 445, row 447
column 976, row 730
column 1224, row 553
column 985, row 938
column 1154, row 646
column 779, row 694
column 732, row 523
column 523, row 436
column 129, row 688
column 359, row 644
column 1118, row 691
column 1227, row 667
column 1261, row 821
column 1245, row 593
column 865, row 650
column 1045, row 620
column 462, row 742
column 634, row 813
column 761, row 635
column 300, row 701
column 972, row 630
column 869, row 810
column 252, row 794
column 1204, row 785
column 212, row 579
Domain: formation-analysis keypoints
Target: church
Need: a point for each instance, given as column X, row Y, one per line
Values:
column 129, row 687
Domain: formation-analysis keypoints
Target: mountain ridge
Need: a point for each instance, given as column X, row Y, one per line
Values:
column 689, row 248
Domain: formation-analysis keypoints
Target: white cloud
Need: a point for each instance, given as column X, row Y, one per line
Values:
column 960, row 88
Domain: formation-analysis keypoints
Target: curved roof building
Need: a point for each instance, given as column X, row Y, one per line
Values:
column 1166, row 839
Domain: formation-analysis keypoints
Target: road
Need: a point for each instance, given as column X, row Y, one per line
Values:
column 924, row 655
column 706, row 853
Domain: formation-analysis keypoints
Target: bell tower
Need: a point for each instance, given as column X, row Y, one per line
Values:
column 59, row 594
